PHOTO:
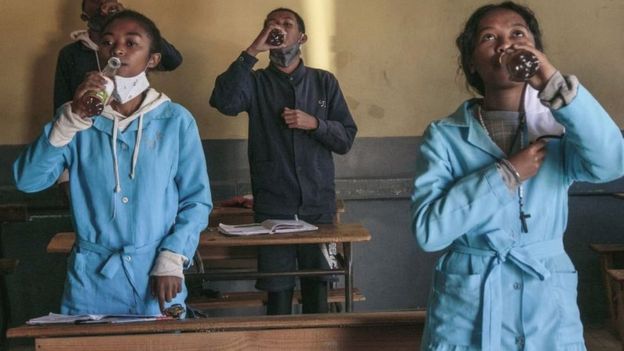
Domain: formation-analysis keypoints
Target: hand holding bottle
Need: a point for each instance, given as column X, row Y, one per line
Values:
column 94, row 93
column 269, row 38
column 530, row 64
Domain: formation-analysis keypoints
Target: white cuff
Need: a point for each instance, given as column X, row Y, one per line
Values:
column 169, row 264
column 66, row 126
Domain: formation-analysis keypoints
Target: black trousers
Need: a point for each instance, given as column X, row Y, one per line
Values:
column 284, row 258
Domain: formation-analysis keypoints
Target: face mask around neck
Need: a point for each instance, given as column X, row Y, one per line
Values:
column 127, row 88
column 284, row 57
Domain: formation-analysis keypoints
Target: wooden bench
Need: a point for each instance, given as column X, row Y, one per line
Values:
column 608, row 254
column 354, row 331
column 246, row 299
column 617, row 279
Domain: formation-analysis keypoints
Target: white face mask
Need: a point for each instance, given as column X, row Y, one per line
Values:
column 127, row 88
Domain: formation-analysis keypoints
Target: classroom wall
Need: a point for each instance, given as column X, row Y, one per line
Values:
column 395, row 59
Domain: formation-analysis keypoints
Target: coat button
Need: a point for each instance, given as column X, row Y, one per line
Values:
column 128, row 258
column 124, row 200
column 517, row 286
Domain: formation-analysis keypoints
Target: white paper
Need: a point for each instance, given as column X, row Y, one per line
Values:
column 55, row 318
column 270, row 226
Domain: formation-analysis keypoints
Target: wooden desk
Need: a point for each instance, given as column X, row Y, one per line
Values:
column 607, row 254
column 219, row 214
column 617, row 277
column 346, row 234
column 354, row 331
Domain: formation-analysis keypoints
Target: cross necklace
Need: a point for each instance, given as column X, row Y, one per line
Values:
column 519, row 133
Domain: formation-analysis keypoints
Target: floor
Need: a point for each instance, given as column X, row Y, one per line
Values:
column 597, row 338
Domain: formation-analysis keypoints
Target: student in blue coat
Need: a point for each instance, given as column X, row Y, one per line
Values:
column 495, row 195
column 141, row 194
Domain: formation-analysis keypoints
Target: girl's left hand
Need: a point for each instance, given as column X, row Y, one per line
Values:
column 546, row 69
column 165, row 288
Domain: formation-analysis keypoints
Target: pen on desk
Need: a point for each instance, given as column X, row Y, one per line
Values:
column 296, row 218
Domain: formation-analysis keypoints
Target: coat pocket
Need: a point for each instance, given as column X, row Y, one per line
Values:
column 455, row 308
column 570, row 326
column 77, row 284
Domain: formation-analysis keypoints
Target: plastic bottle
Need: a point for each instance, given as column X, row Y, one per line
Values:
column 521, row 64
column 93, row 102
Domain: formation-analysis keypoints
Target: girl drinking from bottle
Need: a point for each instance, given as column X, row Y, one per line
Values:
column 493, row 195
column 139, row 192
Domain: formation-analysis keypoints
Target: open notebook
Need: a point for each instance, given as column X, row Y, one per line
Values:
column 270, row 226
column 55, row 318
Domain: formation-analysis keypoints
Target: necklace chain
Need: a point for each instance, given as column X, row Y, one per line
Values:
column 480, row 116
column 523, row 216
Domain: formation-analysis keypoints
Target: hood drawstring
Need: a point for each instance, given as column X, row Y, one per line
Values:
column 115, row 165
column 97, row 59
column 152, row 100
column 137, row 146
column 135, row 153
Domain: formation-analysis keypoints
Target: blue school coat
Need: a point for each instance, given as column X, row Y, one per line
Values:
column 119, row 234
column 497, row 288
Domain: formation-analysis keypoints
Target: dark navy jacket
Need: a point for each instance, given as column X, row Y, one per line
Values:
column 292, row 170
column 75, row 60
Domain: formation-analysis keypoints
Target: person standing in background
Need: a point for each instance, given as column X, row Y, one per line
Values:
column 298, row 117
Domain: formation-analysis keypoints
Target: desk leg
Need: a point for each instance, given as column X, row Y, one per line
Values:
column 619, row 305
column 607, row 263
column 348, row 277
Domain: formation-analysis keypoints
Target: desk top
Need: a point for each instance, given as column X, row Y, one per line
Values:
column 327, row 233
column 394, row 318
column 607, row 248
column 616, row 274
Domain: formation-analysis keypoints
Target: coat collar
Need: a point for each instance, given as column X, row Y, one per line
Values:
column 151, row 107
column 296, row 76
column 464, row 118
